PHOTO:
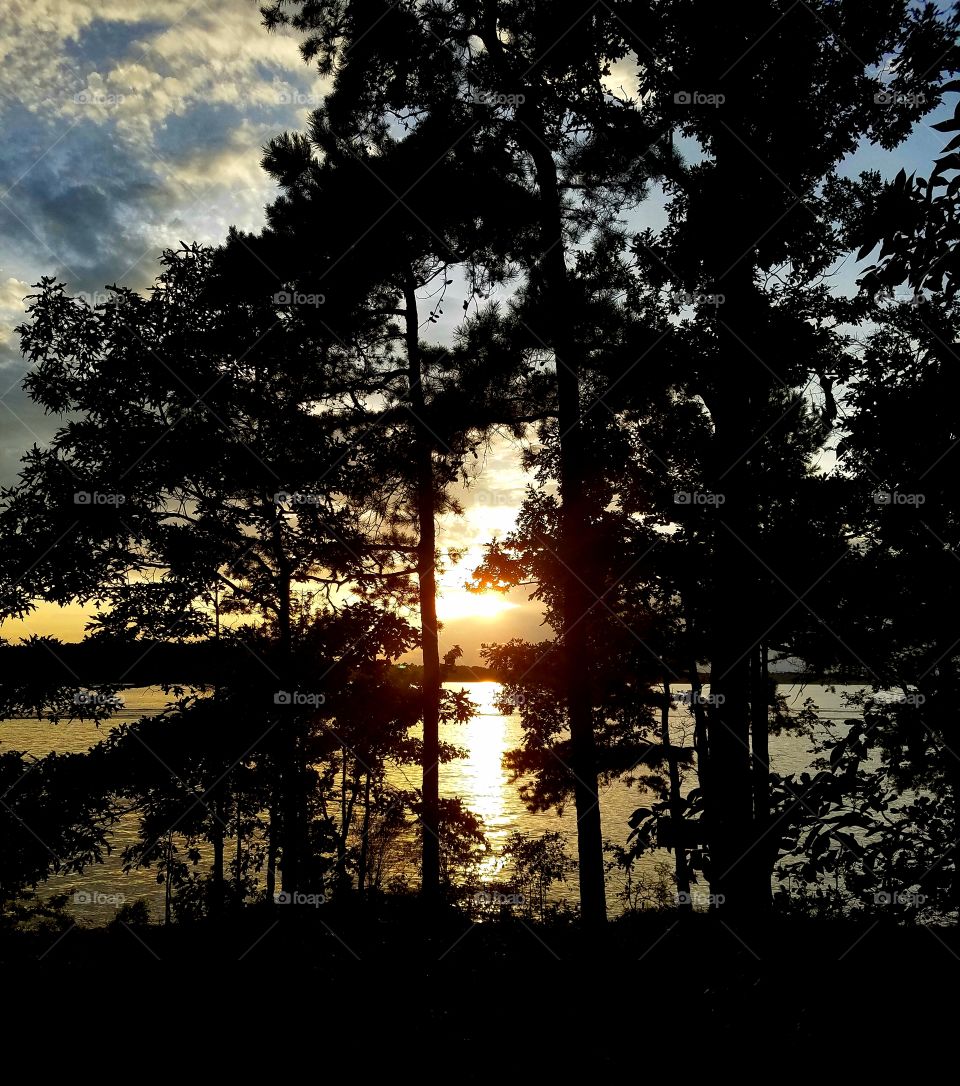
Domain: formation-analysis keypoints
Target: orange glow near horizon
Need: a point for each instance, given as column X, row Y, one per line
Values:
column 458, row 603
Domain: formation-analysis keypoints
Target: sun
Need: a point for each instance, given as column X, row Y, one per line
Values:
column 456, row 603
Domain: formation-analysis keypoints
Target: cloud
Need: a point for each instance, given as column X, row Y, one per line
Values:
column 12, row 312
column 130, row 126
column 134, row 65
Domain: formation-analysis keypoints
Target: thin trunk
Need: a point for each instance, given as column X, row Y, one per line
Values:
column 427, row 580
column 700, row 733
column 940, row 705
column 217, row 882
column 344, row 823
column 955, row 849
column 290, row 771
column 168, row 888
column 273, row 827
column 675, row 800
column 364, row 837
column 764, row 852
column 238, row 882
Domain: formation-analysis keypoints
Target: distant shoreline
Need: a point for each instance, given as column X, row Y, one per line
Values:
column 476, row 673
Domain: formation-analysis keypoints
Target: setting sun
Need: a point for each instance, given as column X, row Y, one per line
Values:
column 456, row 603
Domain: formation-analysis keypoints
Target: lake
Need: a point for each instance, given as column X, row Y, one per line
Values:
column 478, row 778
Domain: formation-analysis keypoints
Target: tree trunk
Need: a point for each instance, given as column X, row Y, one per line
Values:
column 427, row 581
column 167, row 884
column 273, row 833
column 737, row 400
column 955, row 848
column 215, row 906
column 574, row 543
column 700, row 731
column 765, row 851
column 364, row 837
column 940, row 706
column 238, row 881
column 684, row 900
column 290, row 773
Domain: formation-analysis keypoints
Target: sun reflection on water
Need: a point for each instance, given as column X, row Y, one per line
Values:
column 482, row 777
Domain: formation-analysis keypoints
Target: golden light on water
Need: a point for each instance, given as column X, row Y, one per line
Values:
column 485, row 739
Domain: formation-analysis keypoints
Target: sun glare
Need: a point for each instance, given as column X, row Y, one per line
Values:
column 454, row 603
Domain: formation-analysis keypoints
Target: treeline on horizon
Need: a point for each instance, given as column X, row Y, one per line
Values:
column 38, row 661
column 733, row 461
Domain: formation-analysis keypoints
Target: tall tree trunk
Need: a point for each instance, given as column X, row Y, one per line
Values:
column 731, row 787
column 574, row 543
column 737, row 400
column 427, row 581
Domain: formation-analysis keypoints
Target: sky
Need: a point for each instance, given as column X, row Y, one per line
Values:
column 129, row 126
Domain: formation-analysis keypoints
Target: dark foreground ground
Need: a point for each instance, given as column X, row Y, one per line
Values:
column 500, row 1002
